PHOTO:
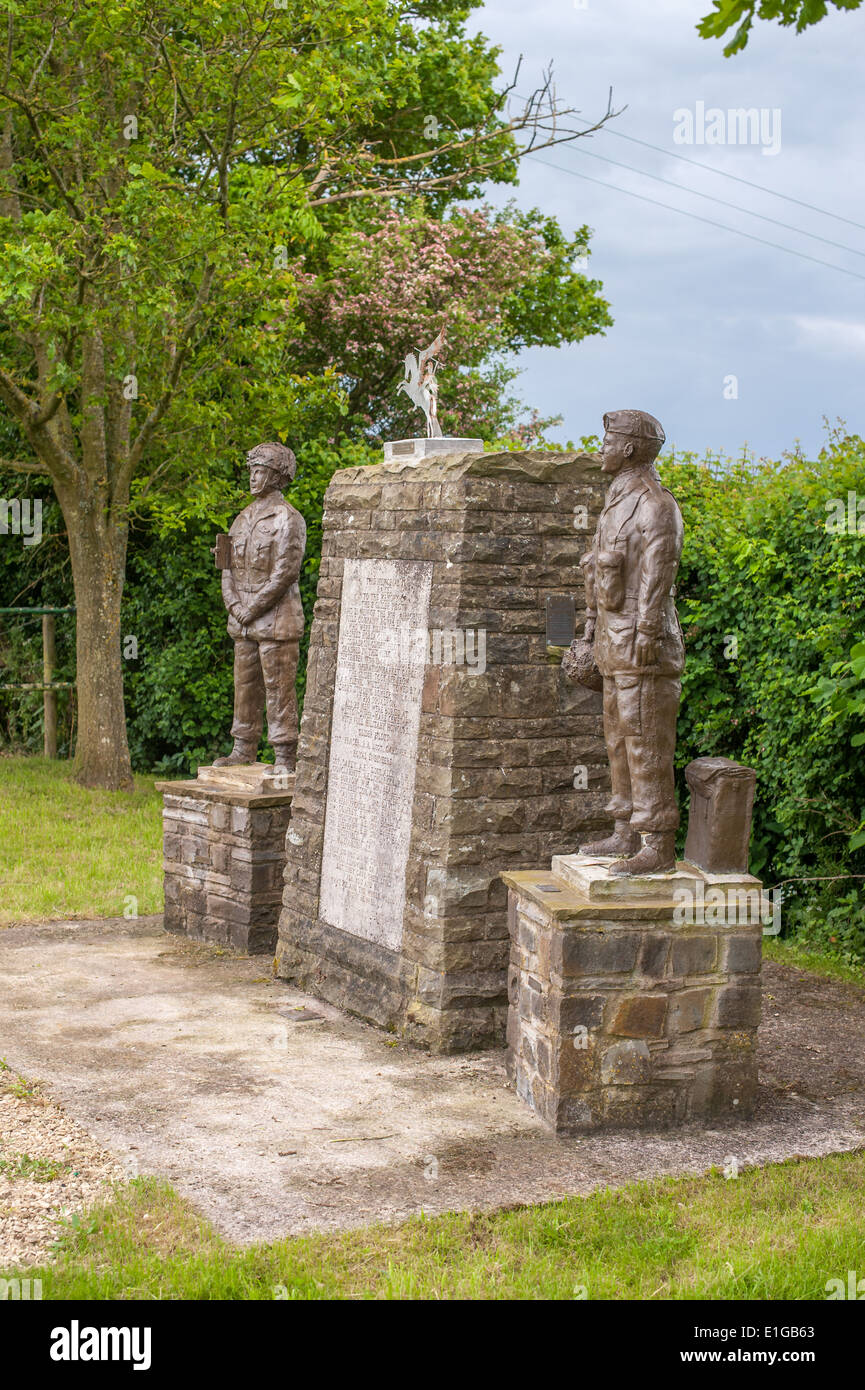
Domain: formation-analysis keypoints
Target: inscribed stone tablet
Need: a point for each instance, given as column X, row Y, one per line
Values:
column 381, row 655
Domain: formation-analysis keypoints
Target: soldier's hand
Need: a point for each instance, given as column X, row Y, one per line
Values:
column 646, row 650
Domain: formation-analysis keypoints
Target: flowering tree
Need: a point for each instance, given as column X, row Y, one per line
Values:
column 503, row 281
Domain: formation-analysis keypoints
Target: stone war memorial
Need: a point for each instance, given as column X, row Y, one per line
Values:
column 472, row 841
column 482, row 840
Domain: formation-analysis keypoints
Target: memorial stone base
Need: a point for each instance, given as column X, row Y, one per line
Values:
column 439, row 745
column 634, row 1002
column 224, row 852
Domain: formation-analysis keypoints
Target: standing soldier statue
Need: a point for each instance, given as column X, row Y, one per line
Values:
column 638, row 650
column 260, row 560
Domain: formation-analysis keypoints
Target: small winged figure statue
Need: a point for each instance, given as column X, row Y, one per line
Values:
column 420, row 384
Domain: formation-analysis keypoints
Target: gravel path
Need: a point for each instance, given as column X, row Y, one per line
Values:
column 49, row 1168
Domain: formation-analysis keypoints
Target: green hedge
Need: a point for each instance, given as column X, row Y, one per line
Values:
column 760, row 566
column 772, row 601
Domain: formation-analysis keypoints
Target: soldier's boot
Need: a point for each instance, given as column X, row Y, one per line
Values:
column 284, row 757
column 658, row 855
column 623, row 840
column 242, row 752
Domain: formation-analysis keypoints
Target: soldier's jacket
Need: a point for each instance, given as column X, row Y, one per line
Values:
column 629, row 574
column 268, row 539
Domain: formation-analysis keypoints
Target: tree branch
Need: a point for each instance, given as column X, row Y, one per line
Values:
column 24, row 466
column 155, row 415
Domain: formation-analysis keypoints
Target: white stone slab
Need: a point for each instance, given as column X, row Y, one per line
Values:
column 413, row 450
column 381, row 656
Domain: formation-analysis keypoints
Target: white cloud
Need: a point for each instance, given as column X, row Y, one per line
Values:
column 693, row 303
column 831, row 335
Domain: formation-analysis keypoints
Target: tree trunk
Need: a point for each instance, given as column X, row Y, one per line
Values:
column 97, row 547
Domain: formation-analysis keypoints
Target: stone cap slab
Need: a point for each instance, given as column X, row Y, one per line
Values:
column 246, row 777
column 590, row 875
column 526, row 465
column 565, row 903
column 564, row 900
column 229, row 795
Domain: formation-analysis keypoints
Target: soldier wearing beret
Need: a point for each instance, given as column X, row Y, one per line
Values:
column 265, row 616
column 631, row 616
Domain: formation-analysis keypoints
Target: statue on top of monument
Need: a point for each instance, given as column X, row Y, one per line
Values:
column 633, row 627
column 260, row 559
column 420, row 384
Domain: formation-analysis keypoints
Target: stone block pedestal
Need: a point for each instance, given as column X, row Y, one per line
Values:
column 438, row 745
column 634, row 1002
column 224, row 852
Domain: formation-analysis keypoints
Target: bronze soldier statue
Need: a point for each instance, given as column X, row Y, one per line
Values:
column 638, row 649
column 260, row 575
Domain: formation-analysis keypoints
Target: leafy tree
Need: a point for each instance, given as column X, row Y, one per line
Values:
column 741, row 13
column 161, row 166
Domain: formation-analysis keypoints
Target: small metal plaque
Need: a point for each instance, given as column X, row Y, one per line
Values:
column 561, row 620
column 222, row 552
column 402, row 446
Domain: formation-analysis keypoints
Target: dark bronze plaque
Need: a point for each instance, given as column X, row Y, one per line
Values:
column 561, row 620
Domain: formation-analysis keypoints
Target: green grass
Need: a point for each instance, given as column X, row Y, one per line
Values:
column 36, row 1169
column 778, row 1232
column 21, row 1089
column 69, row 851
column 790, row 952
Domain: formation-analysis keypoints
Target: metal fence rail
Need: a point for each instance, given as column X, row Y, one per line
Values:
column 49, row 687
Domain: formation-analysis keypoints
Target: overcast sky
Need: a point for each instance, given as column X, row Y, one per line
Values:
column 694, row 305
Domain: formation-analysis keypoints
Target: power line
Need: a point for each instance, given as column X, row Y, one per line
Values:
column 734, row 207
column 722, row 173
column 602, row 183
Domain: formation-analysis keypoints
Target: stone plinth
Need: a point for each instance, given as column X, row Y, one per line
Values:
column 396, row 450
column 633, row 1011
column 438, row 746
column 224, row 851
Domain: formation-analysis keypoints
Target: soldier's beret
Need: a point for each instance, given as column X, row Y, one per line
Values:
column 637, row 424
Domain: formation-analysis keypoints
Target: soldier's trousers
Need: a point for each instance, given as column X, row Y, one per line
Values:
column 264, row 675
column 640, row 732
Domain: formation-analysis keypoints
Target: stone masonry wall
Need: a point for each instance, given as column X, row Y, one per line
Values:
column 621, row 1018
column 224, row 854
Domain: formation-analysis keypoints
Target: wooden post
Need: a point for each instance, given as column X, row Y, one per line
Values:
column 49, row 697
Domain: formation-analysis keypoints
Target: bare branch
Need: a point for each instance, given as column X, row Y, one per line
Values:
column 541, row 120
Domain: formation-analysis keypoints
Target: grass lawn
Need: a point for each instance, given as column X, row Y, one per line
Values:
column 778, row 1233
column 789, row 952
column 67, row 851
